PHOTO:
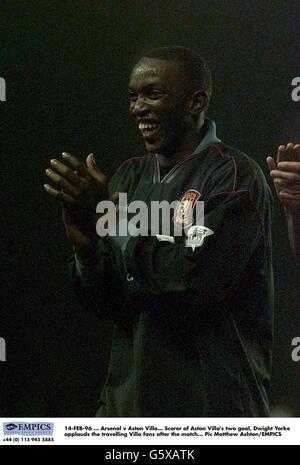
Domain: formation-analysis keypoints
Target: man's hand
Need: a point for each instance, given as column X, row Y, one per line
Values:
column 79, row 188
column 286, row 175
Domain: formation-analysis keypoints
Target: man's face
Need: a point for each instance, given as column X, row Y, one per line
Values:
column 158, row 104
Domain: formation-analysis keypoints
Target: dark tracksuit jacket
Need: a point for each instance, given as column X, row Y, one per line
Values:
column 192, row 328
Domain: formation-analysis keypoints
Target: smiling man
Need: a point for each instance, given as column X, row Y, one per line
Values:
column 192, row 324
column 171, row 124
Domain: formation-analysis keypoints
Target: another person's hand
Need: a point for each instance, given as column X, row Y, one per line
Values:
column 285, row 172
column 79, row 188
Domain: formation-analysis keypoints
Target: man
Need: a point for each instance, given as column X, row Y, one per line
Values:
column 285, row 173
column 192, row 322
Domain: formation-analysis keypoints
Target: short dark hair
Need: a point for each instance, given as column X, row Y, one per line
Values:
column 191, row 64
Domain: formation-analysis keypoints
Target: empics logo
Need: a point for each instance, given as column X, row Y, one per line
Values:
column 28, row 429
column 11, row 426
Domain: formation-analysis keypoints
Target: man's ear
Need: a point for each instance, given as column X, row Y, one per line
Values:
column 199, row 102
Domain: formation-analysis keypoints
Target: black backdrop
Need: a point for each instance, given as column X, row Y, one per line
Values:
column 66, row 65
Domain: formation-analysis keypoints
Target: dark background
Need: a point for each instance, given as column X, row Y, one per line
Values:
column 66, row 65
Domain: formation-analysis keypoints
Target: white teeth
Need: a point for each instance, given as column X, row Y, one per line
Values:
column 147, row 126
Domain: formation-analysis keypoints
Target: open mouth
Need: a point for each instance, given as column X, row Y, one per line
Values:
column 148, row 130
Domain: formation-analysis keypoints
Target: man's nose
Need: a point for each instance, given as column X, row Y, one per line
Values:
column 138, row 107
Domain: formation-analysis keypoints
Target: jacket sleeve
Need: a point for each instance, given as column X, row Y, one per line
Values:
column 97, row 284
column 240, row 226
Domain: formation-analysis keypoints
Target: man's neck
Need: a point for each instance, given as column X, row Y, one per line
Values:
column 186, row 149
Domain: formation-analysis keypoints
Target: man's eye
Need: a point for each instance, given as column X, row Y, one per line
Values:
column 155, row 94
column 151, row 95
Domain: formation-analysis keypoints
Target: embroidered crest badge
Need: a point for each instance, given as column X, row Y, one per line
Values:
column 183, row 216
